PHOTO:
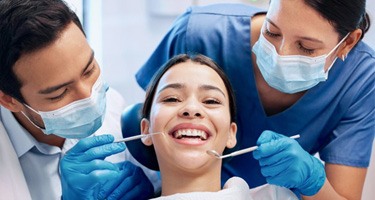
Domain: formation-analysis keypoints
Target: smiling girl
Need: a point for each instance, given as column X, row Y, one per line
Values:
column 191, row 101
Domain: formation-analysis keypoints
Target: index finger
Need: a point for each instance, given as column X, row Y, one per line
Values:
column 268, row 136
column 90, row 142
column 271, row 148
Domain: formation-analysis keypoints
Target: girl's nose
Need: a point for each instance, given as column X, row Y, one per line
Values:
column 187, row 114
column 191, row 110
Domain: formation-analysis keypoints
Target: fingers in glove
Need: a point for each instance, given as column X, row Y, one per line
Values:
column 123, row 174
column 268, row 136
column 134, row 186
column 273, row 147
column 90, row 142
column 99, row 152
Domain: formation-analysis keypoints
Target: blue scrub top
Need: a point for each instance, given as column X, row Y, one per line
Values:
column 335, row 118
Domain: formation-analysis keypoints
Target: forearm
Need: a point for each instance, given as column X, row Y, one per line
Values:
column 326, row 192
column 342, row 182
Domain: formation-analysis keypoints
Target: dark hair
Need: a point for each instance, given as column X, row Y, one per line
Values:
column 196, row 58
column 27, row 26
column 344, row 15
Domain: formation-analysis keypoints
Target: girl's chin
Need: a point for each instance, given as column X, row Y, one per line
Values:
column 193, row 160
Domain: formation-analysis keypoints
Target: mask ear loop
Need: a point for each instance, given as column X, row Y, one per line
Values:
column 33, row 123
column 344, row 56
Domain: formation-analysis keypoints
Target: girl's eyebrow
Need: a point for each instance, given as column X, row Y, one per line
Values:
column 211, row 87
column 172, row 85
column 181, row 86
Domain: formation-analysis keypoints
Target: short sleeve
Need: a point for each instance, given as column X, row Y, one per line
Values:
column 352, row 139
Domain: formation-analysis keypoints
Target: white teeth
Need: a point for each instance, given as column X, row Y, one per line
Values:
column 190, row 133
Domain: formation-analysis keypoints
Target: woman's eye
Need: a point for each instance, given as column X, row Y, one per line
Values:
column 267, row 32
column 62, row 95
column 305, row 50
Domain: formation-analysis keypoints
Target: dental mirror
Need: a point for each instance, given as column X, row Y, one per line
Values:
column 239, row 152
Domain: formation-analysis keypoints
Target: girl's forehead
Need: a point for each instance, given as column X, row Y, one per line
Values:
column 190, row 73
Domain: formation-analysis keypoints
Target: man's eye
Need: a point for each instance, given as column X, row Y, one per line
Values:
column 91, row 71
column 62, row 95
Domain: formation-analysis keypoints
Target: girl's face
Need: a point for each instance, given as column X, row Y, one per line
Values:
column 191, row 108
column 297, row 29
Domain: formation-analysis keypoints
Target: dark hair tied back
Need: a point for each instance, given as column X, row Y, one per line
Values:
column 345, row 15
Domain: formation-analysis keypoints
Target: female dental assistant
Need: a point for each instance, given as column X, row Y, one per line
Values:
column 299, row 69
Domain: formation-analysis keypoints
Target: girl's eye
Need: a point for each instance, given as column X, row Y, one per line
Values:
column 62, row 95
column 212, row 101
column 267, row 32
column 306, row 50
column 171, row 99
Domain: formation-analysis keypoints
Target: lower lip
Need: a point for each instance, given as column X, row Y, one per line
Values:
column 190, row 141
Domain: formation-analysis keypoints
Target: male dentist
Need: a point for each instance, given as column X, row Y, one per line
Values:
column 52, row 95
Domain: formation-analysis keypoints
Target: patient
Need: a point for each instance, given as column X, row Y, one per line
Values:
column 191, row 101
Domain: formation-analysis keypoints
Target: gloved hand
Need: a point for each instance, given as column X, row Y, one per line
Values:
column 135, row 185
column 86, row 175
column 285, row 163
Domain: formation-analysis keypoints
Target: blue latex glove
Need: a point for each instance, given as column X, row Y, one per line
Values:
column 285, row 163
column 86, row 175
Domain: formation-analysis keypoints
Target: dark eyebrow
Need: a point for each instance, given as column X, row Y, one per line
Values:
column 211, row 87
column 311, row 39
column 54, row 88
column 202, row 87
column 91, row 59
column 302, row 38
column 57, row 87
column 173, row 85
column 271, row 22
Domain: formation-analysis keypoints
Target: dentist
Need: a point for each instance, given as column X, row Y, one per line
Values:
column 52, row 95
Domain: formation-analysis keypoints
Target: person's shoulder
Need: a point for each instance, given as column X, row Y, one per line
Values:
column 362, row 60
column 227, row 9
column 365, row 50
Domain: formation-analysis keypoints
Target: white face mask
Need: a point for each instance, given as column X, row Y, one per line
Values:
column 78, row 119
column 293, row 73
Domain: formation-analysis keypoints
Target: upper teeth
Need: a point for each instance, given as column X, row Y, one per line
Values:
column 190, row 132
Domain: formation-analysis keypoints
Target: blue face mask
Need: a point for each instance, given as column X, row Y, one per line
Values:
column 78, row 119
column 293, row 73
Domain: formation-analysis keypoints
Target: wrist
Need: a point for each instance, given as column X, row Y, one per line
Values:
column 316, row 179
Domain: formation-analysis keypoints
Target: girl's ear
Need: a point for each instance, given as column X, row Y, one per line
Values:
column 232, row 140
column 10, row 103
column 145, row 125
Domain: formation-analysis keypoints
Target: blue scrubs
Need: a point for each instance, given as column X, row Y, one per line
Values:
column 335, row 118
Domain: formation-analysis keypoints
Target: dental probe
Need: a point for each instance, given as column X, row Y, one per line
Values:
column 136, row 137
column 239, row 152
